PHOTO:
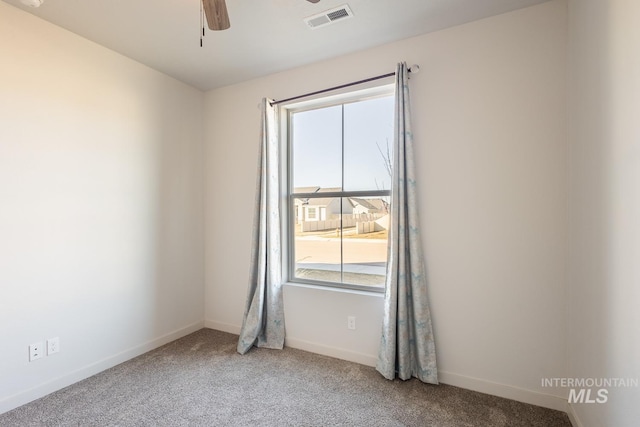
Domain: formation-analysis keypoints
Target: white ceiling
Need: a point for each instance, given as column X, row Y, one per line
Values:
column 266, row 36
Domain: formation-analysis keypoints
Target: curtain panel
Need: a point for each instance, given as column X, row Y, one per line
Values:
column 263, row 323
column 407, row 347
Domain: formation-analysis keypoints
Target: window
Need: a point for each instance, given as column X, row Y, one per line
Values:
column 339, row 175
column 311, row 214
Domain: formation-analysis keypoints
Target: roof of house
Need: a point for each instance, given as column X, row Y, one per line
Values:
column 330, row 190
column 321, row 201
column 370, row 204
column 325, row 201
column 306, row 189
column 374, row 204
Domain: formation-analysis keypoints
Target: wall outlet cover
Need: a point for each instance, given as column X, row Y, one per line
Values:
column 36, row 351
column 53, row 346
column 351, row 322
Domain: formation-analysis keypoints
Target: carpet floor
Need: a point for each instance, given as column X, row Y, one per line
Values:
column 200, row 380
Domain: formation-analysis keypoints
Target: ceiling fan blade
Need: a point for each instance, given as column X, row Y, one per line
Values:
column 217, row 15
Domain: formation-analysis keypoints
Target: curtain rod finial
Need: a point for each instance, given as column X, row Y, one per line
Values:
column 415, row 69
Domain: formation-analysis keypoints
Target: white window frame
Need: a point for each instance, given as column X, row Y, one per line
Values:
column 287, row 219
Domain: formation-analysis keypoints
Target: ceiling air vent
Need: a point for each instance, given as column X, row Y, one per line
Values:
column 328, row 17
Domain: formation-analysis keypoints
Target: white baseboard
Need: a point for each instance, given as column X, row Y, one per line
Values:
column 325, row 350
column 501, row 390
column 224, row 327
column 573, row 416
column 338, row 353
column 19, row 399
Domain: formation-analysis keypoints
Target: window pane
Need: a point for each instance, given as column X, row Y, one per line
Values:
column 364, row 240
column 348, row 247
column 317, row 253
column 317, row 149
column 342, row 151
column 368, row 138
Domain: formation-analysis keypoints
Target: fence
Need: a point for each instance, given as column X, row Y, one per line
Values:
column 360, row 221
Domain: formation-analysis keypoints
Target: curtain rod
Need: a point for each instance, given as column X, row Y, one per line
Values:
column 413, row 69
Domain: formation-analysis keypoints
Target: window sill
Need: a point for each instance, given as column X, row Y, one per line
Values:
column 379, row 294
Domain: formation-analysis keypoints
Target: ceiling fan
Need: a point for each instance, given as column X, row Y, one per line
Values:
column 217, row 15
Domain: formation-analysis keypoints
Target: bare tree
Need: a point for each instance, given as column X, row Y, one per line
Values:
column 386, row 158
column 388, row 166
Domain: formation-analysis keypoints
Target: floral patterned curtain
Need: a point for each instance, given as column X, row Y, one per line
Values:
column 263, row 323
column 407, row 347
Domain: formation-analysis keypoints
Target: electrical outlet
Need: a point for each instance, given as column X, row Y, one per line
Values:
column 351, row 322
column 53, row 346
column 36, row 351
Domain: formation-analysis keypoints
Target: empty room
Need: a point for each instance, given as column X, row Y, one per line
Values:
column 320, row 212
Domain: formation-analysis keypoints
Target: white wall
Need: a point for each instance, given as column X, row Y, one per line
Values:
column 101, row 211
column 604, row 292
column 490, row 126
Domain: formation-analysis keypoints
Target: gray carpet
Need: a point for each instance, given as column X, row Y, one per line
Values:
column 200, row 380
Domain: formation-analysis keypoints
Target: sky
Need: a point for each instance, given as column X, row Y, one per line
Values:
column 317, row 145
